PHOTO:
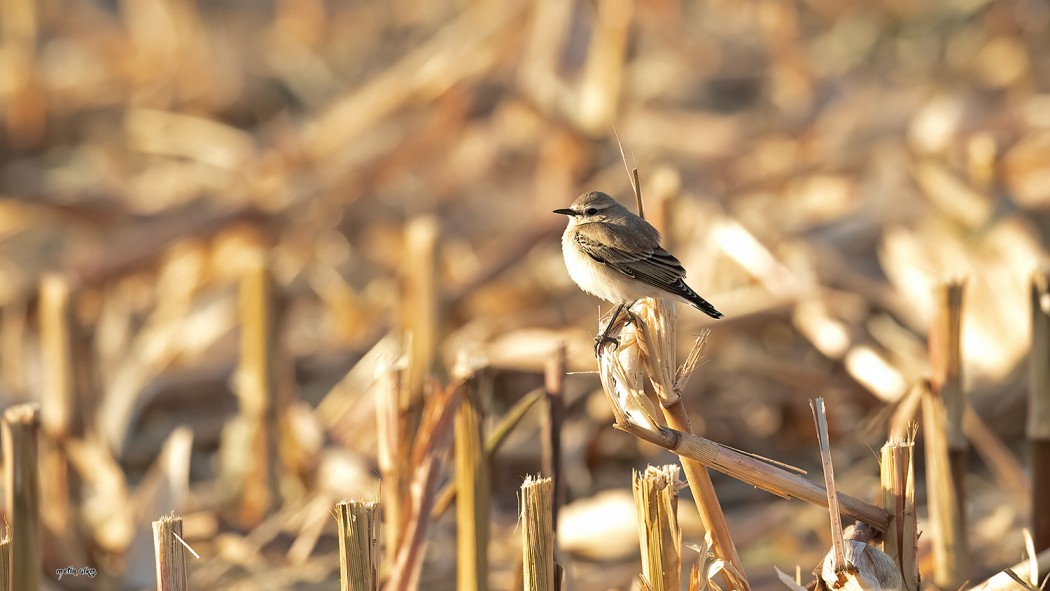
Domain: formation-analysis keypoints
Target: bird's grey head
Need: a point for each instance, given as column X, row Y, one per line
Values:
column 593, row 207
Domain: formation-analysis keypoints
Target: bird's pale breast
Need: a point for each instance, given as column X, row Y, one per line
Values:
column 598, row 279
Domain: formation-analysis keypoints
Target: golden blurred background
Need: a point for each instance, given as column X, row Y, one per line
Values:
column 390, row 168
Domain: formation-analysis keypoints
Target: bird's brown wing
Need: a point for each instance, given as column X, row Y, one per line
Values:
column 653, row 266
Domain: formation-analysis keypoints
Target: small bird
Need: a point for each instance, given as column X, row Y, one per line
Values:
column 616, row 255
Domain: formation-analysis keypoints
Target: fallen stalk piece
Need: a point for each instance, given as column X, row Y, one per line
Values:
column 753, row 471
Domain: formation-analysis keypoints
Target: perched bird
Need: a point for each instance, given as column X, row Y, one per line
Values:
column 616, row 255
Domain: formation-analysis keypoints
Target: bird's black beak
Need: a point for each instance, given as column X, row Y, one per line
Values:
column 565, row 211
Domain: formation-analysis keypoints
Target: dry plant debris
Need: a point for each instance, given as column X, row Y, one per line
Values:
column 818, row 166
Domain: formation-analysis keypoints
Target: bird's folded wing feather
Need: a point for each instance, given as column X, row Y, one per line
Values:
column 654, row 266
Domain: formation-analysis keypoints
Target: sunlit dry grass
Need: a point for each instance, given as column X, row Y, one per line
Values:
column 818, row 167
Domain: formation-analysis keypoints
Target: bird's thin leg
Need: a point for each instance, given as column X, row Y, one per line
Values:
column 632, row 318
column 603, row 338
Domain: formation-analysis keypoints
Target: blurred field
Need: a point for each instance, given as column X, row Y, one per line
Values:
column 817, row 166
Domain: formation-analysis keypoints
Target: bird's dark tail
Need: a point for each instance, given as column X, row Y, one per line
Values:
column 700, row 303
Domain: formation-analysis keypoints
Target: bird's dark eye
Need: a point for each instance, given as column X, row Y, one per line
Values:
column 591, row 211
